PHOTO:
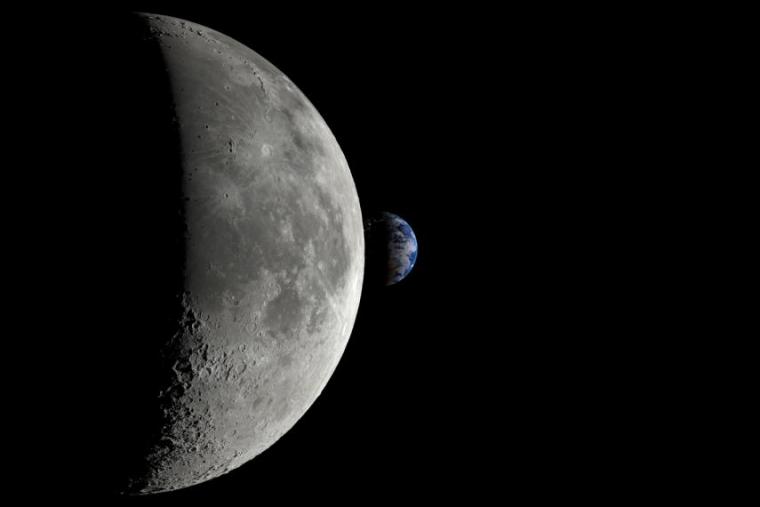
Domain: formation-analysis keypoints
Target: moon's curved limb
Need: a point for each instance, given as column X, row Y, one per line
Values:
column 274, row 260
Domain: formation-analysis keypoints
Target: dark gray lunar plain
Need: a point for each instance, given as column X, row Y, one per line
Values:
column 274, row 260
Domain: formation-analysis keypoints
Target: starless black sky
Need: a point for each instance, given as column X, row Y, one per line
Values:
column 472, row 125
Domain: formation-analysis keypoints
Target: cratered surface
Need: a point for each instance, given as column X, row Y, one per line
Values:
column 272, row 261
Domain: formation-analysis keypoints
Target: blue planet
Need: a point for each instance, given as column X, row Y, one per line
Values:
column 391, row 248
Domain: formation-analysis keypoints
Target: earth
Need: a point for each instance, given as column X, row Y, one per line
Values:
column 391, row 248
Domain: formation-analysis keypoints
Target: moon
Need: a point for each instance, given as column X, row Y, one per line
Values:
column 272, row 261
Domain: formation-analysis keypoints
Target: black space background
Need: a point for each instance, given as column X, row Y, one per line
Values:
column 483, row 373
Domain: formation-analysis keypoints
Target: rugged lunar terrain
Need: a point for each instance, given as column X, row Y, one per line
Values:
column 273, row 267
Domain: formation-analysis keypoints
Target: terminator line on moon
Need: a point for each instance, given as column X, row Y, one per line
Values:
column 274, row 259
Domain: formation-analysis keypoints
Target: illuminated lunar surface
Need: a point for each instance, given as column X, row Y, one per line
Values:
column 273, row 267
